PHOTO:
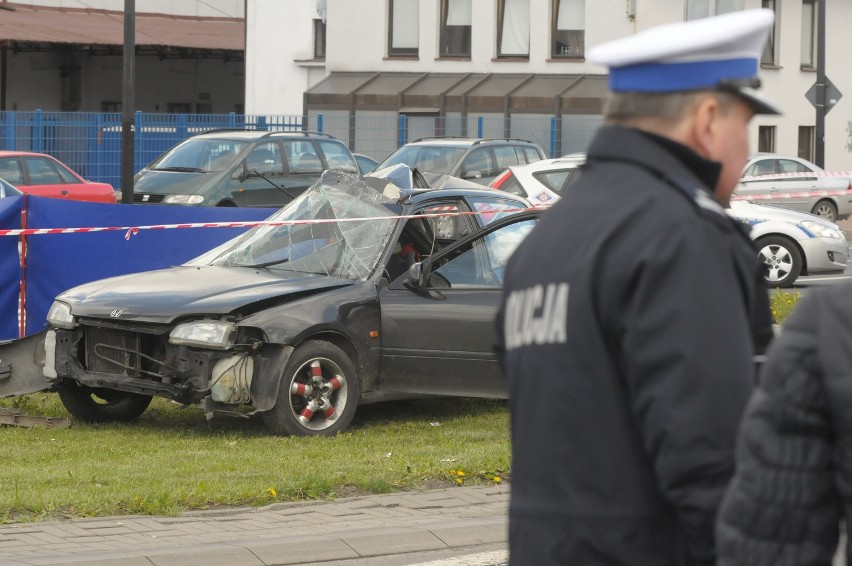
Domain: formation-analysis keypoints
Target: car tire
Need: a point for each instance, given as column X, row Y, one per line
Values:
column 318, row 395
column 781, row 259
column 94, row 405
column 825, row 209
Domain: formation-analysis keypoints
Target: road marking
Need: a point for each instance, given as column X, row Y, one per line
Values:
column 493, row 558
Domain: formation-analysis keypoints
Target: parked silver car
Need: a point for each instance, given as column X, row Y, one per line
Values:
column 797, row 184
column 789, row 243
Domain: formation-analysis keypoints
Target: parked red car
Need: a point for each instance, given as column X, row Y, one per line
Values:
column 45, row 176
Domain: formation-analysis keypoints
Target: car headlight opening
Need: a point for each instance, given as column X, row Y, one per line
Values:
column 204, row 333
column 821, row 230
column 60, row 315
column 183, row 199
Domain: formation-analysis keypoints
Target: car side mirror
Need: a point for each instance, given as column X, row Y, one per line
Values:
column 414, row 277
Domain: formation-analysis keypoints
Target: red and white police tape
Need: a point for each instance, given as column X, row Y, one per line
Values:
column 133, row 230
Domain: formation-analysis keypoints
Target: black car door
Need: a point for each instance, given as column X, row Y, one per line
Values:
column 437, row 328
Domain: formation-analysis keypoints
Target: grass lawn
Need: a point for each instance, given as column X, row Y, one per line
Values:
column 173, row 459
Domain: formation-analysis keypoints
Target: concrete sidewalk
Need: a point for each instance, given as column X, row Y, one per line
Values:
column 282, row 533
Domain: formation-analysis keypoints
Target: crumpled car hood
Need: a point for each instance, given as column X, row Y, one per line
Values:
column 164, row 295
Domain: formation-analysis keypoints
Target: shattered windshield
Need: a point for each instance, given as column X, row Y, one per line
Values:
column 339, row 228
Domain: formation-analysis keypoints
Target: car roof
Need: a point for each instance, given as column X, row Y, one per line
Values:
column 237, row 134
column 16, row 153
column 464, row 142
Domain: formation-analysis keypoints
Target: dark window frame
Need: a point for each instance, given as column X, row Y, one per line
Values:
column 565, row 44
column 319, row 40
column 501, row 11
column 452, row 36
column 398, row 51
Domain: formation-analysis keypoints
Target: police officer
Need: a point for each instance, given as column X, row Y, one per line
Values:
column 630, row 352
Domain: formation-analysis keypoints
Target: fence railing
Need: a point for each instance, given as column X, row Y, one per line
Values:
column 90, row 142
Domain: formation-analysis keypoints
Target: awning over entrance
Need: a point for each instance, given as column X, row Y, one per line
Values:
column 439, row 93
column 24, row 26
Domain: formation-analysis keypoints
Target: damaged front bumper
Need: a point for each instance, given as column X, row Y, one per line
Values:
column 21, row 366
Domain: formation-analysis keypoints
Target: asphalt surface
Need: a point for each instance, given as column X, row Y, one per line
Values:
column 282, row 533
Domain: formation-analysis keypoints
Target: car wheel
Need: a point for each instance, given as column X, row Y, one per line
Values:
column 781, row 259
column 95, row 405
column 318, row 395
column 825, row 209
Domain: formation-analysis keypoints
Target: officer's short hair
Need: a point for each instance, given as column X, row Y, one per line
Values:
column 670, row 107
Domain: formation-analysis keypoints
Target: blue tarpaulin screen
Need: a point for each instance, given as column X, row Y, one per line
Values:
column 10, row 267
column 56, row 262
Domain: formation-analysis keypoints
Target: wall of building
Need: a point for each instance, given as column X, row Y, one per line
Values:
column 280, row 64
column 208, row 8
column 213, row 83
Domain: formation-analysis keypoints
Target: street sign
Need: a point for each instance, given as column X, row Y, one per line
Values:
column 832, row 95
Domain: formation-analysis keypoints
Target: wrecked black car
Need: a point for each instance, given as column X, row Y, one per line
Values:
column 362, row 289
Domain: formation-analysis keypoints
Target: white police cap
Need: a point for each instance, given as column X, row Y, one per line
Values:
column 722, row 52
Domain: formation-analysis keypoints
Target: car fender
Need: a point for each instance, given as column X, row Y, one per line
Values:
column 761, row 228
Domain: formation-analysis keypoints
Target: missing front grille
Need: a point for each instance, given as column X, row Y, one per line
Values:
column 113, row 351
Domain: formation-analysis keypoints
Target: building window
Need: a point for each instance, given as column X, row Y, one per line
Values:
column 179, row 108
column 766, row 139
column 809, row 35
column 697, row 9
column 404, row 27
column 568, row 28
column 108, row 106
column 513, row 23
column 456, row 21
column 807, row 145
column 769, row 56
column 319, row 39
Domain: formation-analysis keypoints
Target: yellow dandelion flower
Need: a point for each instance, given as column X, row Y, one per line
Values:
column 272, row 491
column 497, row 479
column 459, row 481
column 461, row 474
column 452, row 472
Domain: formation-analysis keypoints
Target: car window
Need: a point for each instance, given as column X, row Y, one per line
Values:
column 338, row 157
column 302, row 157
column 555, row 180
column 506, row 156
column 10, row 170
column 217, row 155
column 66, row 175
column 41, row 171
column 530, row 154
column 482, row 262
column 432, row 159
column 477, row 164
column 761, row 167
column 790, row 166
column 491, row 209
column 200, row 154
column 446, row 228
column 265, row 159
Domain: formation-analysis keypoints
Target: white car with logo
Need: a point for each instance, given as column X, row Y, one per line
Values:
column 789, row 243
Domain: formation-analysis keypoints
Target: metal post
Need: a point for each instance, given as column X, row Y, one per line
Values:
column 128, row 102
column 819, row 130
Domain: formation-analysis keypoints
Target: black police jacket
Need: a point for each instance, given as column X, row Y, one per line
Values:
column 631, row 317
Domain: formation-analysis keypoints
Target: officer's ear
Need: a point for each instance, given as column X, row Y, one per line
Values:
column 705, row 126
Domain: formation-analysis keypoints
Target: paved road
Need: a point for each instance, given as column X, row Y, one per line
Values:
column 282, row 533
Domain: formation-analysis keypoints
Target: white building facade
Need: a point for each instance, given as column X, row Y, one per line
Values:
column 449, row 61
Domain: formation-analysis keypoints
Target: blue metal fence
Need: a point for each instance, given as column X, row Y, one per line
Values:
column 90, row 142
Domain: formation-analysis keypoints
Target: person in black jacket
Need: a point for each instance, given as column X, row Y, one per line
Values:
column 793, row 483
column 633, row 312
